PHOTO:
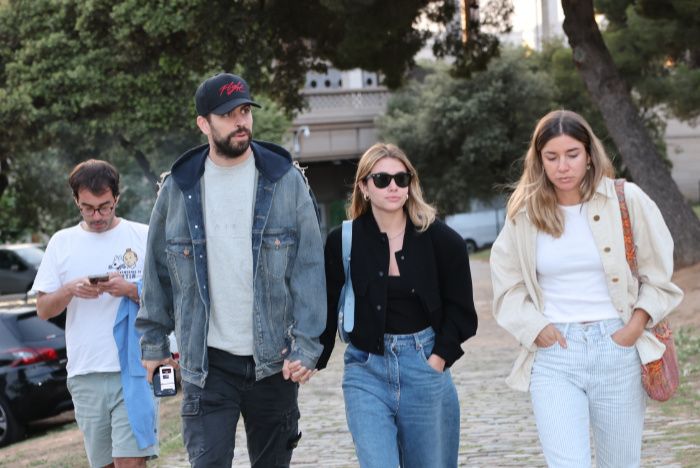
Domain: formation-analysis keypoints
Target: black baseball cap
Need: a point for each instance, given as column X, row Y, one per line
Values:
column 221, row 94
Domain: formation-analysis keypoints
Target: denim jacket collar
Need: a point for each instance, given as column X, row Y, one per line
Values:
column 272, row 161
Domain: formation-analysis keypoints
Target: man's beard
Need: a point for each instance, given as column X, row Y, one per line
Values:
column 225, row 148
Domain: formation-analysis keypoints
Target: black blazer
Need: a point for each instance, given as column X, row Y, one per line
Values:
column 436, row 265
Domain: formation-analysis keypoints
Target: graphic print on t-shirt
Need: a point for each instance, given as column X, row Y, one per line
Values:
column 126, row 265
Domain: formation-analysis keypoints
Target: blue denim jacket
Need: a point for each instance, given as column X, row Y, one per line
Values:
column 289, row 307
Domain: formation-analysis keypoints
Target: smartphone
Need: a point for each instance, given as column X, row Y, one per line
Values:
column 98, row 279
column 164, row 381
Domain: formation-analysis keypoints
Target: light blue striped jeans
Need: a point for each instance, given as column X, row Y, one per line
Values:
column 593, row 383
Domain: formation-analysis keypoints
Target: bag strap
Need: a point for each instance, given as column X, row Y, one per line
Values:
column 302, row 171
column 349, row 299
column 630, row 249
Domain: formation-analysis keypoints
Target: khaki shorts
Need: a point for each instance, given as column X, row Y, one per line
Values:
column 101, row 415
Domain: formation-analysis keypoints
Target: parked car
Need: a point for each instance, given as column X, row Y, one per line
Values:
column 32, row 371
column 18, row 266
column 480, row 228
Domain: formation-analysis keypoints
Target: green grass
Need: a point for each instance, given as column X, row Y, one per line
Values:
column 696, row 208
column 686, row 403
column 170, row 429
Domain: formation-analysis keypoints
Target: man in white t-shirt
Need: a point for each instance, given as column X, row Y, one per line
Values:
column 87, row 270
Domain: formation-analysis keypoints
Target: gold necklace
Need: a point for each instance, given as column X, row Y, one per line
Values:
column 397, row 235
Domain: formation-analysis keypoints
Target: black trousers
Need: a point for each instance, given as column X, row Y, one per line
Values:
column 210, row 414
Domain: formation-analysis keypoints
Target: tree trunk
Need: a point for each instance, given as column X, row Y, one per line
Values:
column 142, row 161
column 4, row 180
column 611, row 95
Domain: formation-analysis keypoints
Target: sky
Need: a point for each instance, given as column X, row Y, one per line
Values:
column 524, row 20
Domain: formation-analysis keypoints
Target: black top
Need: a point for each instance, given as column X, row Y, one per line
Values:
column 434, row 263
column 404, row 313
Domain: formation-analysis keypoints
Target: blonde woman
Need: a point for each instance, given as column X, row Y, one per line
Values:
column 563, row 288
column 413, row 310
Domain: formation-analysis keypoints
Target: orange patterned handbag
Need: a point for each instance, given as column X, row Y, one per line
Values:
column 659, row 378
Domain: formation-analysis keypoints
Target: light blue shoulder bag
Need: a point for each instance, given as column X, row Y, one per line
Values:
column 346, row 302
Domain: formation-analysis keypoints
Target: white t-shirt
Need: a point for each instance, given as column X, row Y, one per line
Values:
column 229, row 195
column 570, row 272
column 76, row 253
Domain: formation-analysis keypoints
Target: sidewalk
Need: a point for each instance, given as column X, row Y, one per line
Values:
column 497, row 427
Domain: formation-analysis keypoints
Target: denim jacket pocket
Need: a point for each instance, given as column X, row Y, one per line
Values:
column 181, row 267
column 278, row 245
column 180, row 257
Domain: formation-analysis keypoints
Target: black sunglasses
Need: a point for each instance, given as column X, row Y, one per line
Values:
column 382, row 179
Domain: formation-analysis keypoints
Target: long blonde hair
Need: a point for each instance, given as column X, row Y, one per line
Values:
column 535, row 192
column 418, row 210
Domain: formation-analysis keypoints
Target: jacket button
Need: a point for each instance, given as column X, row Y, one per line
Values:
column 379, row 307
column 413, row 291
column 596, row 218
column 381, row 273
column 402, row 257
column 615, row 279
column 606, row 249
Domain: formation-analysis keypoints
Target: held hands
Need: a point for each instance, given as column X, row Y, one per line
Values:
column 296, row 372
column 548, row 336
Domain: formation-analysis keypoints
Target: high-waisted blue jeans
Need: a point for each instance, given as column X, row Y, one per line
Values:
column 595, row 383
column 401, row 411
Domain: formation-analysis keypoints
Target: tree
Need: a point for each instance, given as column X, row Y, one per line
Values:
column 115, row 79
column 464, row 135
column 656, row 48
column 569, row 92
column 611, row 95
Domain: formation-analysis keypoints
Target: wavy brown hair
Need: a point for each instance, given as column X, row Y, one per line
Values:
column 535, row 192
column 418, row 210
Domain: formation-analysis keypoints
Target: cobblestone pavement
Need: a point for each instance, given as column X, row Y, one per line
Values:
column 497, row 426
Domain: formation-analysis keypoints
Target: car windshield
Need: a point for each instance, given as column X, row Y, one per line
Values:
column 31, row 255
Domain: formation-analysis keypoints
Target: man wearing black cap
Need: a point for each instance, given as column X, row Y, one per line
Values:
column 235, row 267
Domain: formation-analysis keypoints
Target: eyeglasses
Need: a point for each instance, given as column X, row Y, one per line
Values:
column 382, row 179
column 90, row 211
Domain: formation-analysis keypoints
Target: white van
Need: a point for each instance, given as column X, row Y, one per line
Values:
column 479, row 228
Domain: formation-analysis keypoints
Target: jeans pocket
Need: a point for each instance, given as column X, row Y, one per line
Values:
column 193, row 432
column 551, row 347
column 424, row 353
column 289, row 437
column 355, row 357
column 190, row 406
column 618, row 345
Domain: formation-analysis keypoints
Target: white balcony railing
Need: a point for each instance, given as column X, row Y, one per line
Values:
column 374, row 98
column 332, row 105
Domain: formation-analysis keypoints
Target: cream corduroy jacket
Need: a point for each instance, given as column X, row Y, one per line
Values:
column 518, row 300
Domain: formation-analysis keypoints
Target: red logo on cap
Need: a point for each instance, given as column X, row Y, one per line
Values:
column 231, row 88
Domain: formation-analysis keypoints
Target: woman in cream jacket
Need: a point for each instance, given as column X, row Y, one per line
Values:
column 563, row 289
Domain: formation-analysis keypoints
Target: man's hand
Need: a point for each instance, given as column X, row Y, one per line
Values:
column 83, row 289
column 117, row 286
column 151, row 366
column 296, row 372
column 548, row 336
